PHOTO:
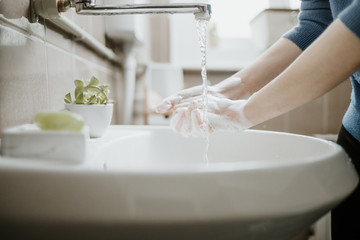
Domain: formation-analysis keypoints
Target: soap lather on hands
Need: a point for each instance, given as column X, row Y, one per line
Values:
column 223, row 113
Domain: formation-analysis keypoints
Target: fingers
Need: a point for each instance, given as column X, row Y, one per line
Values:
column 188, row 116
column 185, row 95
column 177, row 102
column 191, row 92
column 198, row 101
column 186, row 103
column 196, row 121
column 168, row 103
column 181, row 122
column 187, row 121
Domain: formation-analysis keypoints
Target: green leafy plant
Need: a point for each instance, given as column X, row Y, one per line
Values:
column 89, row 92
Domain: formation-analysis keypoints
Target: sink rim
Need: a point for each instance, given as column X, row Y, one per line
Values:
column 243, row 165
column 129, row 131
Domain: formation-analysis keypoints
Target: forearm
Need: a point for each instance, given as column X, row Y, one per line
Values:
column 269, row 65
column 331, row 59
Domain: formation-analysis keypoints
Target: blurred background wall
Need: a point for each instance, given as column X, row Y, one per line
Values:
column 39, row 61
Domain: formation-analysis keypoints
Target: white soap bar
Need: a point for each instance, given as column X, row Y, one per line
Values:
column 29, row 141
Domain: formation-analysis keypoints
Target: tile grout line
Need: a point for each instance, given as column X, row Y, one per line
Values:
column 37, row 37
column 46, row 66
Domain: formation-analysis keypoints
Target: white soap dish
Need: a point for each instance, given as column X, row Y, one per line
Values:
column 29, row 141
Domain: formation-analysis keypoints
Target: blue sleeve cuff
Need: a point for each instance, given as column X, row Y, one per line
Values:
column 314, row 17
column 350, row 16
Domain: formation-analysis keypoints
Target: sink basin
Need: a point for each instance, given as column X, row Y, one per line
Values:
column 146, row 182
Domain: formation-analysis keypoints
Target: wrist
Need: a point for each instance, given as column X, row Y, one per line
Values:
column 232, row 88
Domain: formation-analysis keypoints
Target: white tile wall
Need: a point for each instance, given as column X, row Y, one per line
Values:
column 39, row 62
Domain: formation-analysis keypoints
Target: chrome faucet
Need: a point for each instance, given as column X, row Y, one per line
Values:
column 89, row 7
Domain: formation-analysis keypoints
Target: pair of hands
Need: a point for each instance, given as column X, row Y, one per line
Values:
column 192, row 118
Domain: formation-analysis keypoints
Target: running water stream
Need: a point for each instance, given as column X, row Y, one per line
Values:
column 201, row 26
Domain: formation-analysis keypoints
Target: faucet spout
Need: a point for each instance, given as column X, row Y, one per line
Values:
column 89, row 7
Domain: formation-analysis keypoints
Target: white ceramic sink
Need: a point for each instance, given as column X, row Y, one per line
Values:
column 150, row 183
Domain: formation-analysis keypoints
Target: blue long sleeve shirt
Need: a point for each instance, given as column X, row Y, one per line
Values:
column 315, row 16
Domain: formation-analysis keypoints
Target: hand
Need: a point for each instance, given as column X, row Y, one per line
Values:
column 191, row 119
column 231, row 88
column 186, row 95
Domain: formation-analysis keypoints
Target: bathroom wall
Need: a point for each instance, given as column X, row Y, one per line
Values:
column 38, row 63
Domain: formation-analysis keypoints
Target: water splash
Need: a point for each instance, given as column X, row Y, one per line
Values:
column 201, row 26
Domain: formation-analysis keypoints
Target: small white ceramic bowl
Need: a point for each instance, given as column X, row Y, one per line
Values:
column 97, row 116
